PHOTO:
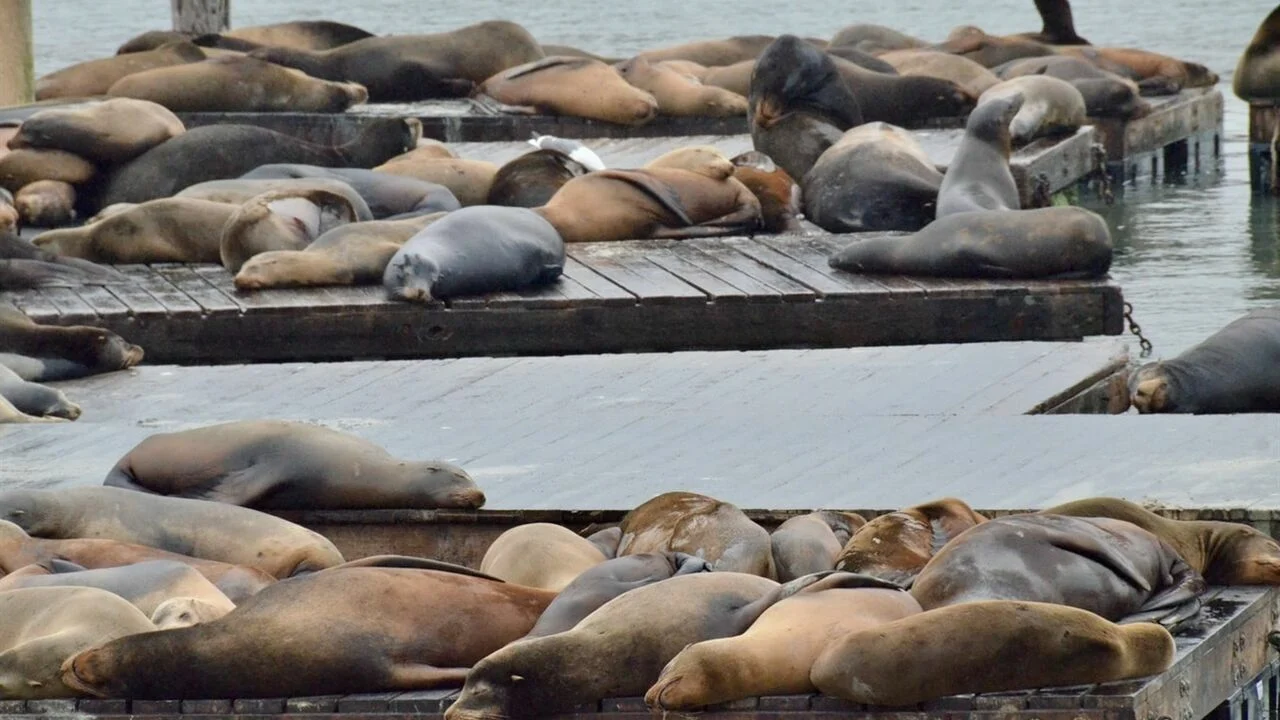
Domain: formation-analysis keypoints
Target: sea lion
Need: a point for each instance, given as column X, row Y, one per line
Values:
column 1155, row 74
column 217, row 152
column 9, row 414
column 678, row 95
column 1257, row 75
column 713, row 530
column 238, row 191
column 735, row 78
column 382, row 640
column 962, row 71
column 281, row 220
column 405, row 68
column 146, row 584
column 238, row 84
column 532, row 179
column 107, row 132
column 713, row 53
column 897, row 545
column 774, row 656
column 1110, row 567
column 44, row 626
column 541, row 555
column 991, row 50
column 1049, row 107
column 280, row 465
column 605, row 539
column 179, row 230
column 600, row 583
column 1058, row 27
column 152, row 39
column 979, row 177
column 352, row 254
column 862, row 59
column 810, row 543
column 779, row 195
column 687, row 68
column 199, row 528
column 987, row 647
column 95, row 77
column 1225, row 553
column 180, row 612
column 798, row 104
column 303, row 34
column 570, row 51
column 904, row 100
column 1228, row 372
column 46, row 203
column 19, row 550
column 558, row 86
column 35, row 399
column 386, row 195
column 426, row 149
column 875, row 177
column 616, row 651
column 9, row 215
column 1105, row 94
column 473, row 251
column 468, row 180
column 19, row 168
column 44, row 353
column 874, row 39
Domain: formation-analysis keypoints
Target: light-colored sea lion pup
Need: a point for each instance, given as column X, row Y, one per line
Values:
column 1049, row 106
column 896, row 546
column 95, row 77
column 958, row 69
column 46, row 203
column 541, row 555
column 109, row 132
column 678, row 94
column 810, row 543
column 178, row 230
column 578, row 87
column 20, row 168
column 281, row 220
column 978, row 177
column 988, row 647
column 1257, row 75
column 715, row 531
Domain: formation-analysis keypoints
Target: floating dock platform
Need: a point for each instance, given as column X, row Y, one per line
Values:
column 1183, row 133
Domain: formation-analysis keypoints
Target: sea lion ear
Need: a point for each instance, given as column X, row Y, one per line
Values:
column 517, row 678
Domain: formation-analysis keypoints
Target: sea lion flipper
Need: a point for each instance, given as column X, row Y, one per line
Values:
column 62, row 565
column 660, row 191
column 1104, row 555
column 416, row 563
column 839, row 579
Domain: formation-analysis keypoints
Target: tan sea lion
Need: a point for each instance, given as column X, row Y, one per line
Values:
column 735, row 78
column 110, row 210
column 987, row 647
column 810, row 543
column 559, row 86
column 199, row 528
column 281, row 220
column 896, row 546
column 687, row 522
column 779, row 195
column 9, row 215
column 95, row 77
column 19, row 168
column 281, row 465
column 991, row 50
column 1257, row 75
column 352, row 254
column 1155, row 74
column 774, row 656
column 381, row 639
column 180, row 612
column 238, row 84
column 238, row 191
column 712, row 53
column 46, row 203
column 541, row 555
column 1226, row 553
column 971, row 76
column 44, row 626
column 679, row 95
column 1049, row 107
column 874, row 39
column 427, row 148
column 108, row 132
column 42, row 353
column 685, row 67
column 168, row 230
column 468, row 180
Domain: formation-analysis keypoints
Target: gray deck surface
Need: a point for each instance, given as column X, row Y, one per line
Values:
column 872, row 427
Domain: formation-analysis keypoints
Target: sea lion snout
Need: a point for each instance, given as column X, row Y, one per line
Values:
column 76, row 673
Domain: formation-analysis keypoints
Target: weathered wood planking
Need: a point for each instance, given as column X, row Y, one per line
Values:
column 1221, row 654
column 1165, row 140
column 635, row 296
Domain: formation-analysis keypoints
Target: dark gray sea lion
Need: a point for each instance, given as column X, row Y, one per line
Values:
column 23, row 265
column 43, row 353
column 978, row 177
column 530, row 180
column 95, row 77
column 1111, row 567
column 799, row 105
column 1062, row 242
column 904, row 100
column 606, row 539
column 863, row 60
column 1050, row 107
column 106, row 132
column 1257, row 75
column 1105, row 94
column 476, row 250
column 386, row 195
column 35, row 399
column 876, row 177
column 304, row 34
column 271, row 464
column 398, row 68
column 217, row 152
column 1231, row 371
column 810, row 543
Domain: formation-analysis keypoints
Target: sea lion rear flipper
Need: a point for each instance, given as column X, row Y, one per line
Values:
column 695, row 231
column 416, row 563
column 1180, row 601
column 1173, row 617
column 1104, row 555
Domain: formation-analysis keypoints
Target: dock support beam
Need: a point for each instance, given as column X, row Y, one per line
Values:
column 1264, row 144
column 17, row 67
column 201, row 16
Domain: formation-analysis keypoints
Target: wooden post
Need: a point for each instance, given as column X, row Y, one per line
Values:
column 201, row 16
column 17, row 68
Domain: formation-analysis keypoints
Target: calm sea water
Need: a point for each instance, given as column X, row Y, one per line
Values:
column 1192, row 253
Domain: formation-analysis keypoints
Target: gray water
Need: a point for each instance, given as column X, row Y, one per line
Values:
column 1192, row 253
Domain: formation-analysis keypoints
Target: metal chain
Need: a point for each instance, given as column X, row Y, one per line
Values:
column 1134, row 328
column 1104, row 177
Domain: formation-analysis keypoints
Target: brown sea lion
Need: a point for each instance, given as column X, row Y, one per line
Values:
column 874, row 39
column 1155, row 74
column 468, row 180
column 44, row 626
column 896, row 546
column 42, row 353
column 1110, row 567
column 1257, row 75
column 810, row 543
column 991, row 50
column 281, row 220
column 779, row 195
column 383, row 640
column 559, row 86
column 1050, row 107
column 152, row 39
column 238, row 84
column 713, row 53
column 35, row 399
column 1228, row 372
column 774, row 656
column 199, row 528
column 987, row 647
column 678, row 95
column 533, row 178
column 46, row 203
column 979, row 177
column 905, row 100
column 95, row 77
column 960, row 70
column 18, row 550
column 352, row 254
column 305, row 34
column 171, row 230
column 1226, row 553
column 400, row 68
column 108, row 132
column 541, row 555
column 281, row 465
column 9, row 215
column 687, row 522
column 19, row 168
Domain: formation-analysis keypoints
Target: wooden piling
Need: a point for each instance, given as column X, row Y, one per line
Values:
column 201, row 16
column 17, row 79
column 1264, row 144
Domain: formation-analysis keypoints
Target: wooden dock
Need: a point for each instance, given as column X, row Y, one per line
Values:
column 1183, row 133
column 634, row 296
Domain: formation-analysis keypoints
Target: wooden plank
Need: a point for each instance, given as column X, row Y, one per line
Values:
column 193, row 285
column 72, row 310
column 625, row 265
column 427, row 702
column 817, row 251
column 36, row 306
column 170, row 298
column 103, row 303
column 606, row 291
column 687, row 268
column 744, row 272
column 134, row 296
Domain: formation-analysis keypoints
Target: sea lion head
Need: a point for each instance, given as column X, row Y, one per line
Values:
column 991, row 121
column 488, row 692
column 22, row 509
column 705, row 160
column 180, row 612
column 115, row 352
column 693, row 678
column 411, row 276
column 963, row 39
column 450, row 486
column 1149, row 390
column 686, row 564
column 88, row 672
column 792, row 75
column 1242, row 555
column 779, row 194
column 893, row 547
